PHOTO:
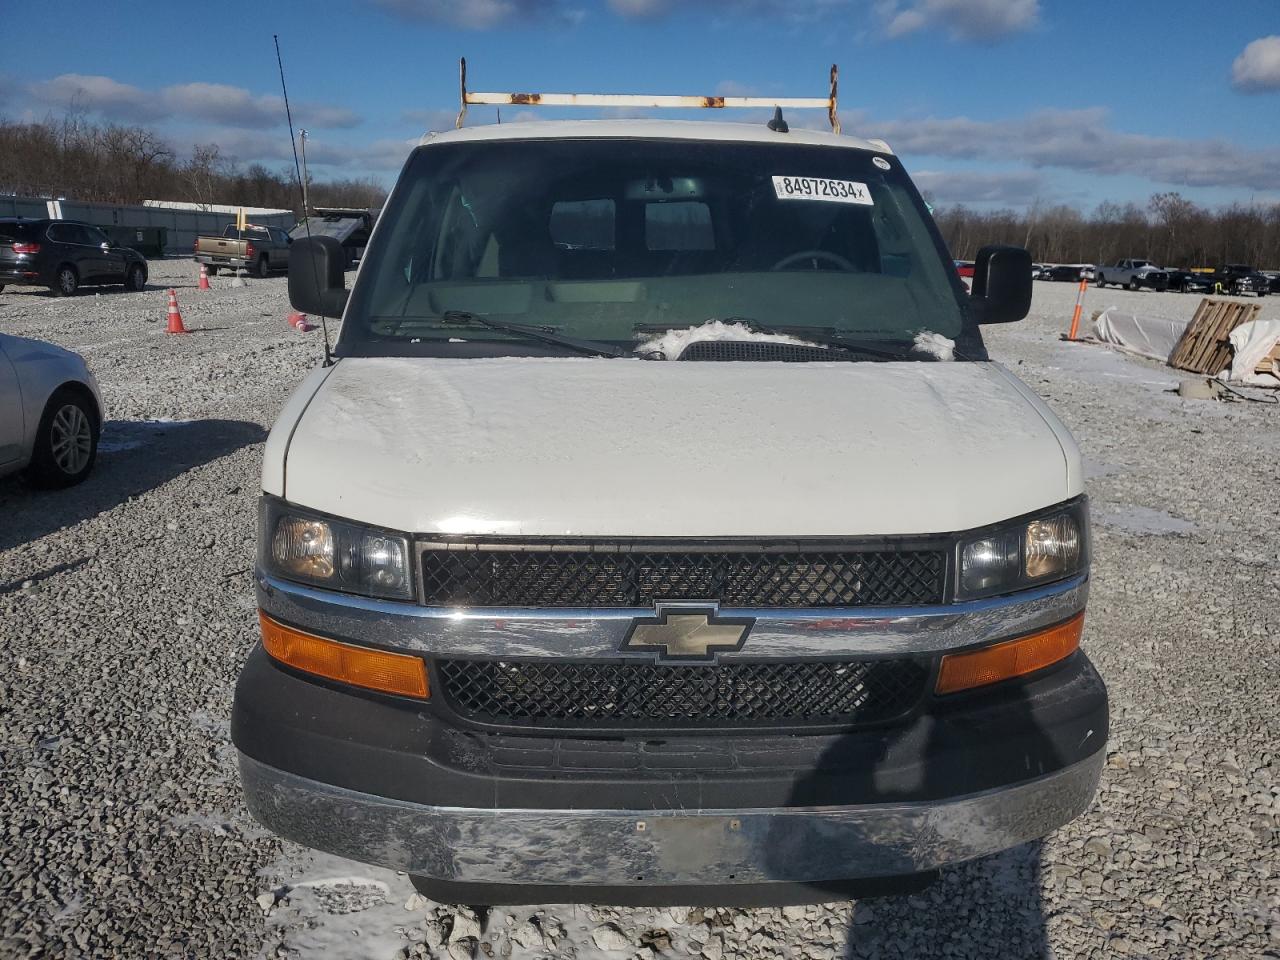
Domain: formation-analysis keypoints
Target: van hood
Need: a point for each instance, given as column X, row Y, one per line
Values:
column 632, row 448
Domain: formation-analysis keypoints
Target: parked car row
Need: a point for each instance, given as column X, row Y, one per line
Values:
column 1140, row 274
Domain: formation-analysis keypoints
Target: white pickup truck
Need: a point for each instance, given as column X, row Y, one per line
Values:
column 1134, row 274
column 663, row 533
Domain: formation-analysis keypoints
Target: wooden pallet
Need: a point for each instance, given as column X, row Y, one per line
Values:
column 1204, row 346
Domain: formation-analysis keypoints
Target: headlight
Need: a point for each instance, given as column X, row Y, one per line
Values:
column 1026, row 554
column 307, row 548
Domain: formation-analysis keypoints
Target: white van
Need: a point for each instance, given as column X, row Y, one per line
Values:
column 663, row 533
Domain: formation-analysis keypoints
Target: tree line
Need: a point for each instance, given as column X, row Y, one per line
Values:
column 79, row 159
column 1170, row 230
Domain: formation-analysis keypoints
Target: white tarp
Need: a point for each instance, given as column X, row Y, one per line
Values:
column 1153, row 337
column 1251, row 342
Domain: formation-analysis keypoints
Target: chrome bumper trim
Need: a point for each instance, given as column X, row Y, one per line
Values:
column 613, row 847
column 821, row 632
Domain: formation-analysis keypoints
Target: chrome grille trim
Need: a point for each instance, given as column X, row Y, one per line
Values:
column 823, row 632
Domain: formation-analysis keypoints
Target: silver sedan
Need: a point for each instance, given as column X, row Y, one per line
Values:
column 50, row 412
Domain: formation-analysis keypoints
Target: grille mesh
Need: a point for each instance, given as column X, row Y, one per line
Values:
column 639, row 578
column 635, row 694
column 756, row 350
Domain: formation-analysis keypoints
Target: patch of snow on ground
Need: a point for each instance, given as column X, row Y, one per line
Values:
column 934, row 345
column 673, row 343
column 338, row 909
column 1142, row 520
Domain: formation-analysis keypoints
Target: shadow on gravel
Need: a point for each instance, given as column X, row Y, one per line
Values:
column 34, row 578
column 134, row 456
column 988, row 908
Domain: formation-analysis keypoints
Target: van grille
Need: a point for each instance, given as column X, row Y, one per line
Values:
column 641, row 694
column 635, row 575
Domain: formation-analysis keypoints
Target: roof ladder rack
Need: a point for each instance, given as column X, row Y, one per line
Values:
column 469, row 98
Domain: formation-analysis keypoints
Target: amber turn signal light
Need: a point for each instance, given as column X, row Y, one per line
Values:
column 1013, row 658
column 358, row 666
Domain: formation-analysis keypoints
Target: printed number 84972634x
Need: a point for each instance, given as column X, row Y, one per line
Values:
column 821, row 188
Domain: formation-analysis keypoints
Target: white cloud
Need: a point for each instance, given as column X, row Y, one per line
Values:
column 1015, row 188
column 246, row 146
column 640, row 9
column 1257, row 69
column 78, row 91
column 983, row 20
column 1079, row 140
column 208, row 102
column 791, row 11
column 478, row 14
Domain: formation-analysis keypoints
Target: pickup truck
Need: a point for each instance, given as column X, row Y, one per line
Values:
column 1134, row 274
column 663, row 533
column 258, row 250
column 1238, row 279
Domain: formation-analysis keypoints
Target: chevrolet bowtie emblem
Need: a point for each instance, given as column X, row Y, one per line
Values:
column 686, row 632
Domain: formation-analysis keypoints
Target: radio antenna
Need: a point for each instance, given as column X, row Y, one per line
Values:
column 302, row 190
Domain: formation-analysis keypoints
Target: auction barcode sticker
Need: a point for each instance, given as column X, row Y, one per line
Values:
column 820, row 188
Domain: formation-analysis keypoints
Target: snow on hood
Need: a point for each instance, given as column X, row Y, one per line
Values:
column 589, row 447
column 674, row 342
column 934, row 345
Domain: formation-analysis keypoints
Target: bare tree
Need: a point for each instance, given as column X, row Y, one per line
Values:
column 202, row 174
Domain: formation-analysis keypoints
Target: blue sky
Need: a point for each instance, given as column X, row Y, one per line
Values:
column 994, row 102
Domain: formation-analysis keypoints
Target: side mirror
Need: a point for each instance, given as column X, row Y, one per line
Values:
column 316, row 283
column 1001, row 284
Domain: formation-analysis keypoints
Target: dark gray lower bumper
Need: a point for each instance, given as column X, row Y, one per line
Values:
column 585, row 847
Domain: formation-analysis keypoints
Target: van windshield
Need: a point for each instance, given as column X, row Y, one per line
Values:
column 615, row 240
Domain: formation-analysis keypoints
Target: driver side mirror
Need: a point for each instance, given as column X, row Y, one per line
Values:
column 1001, row 284
column 316, row 283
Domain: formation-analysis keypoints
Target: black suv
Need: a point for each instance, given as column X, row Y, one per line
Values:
column 63, row 255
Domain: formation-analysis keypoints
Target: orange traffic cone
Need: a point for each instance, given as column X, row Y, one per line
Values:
column 204, row 277
column 300, row 322
column 175, row 318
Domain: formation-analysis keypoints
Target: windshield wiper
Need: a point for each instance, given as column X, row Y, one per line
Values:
column 593, row 348
column 834, row 341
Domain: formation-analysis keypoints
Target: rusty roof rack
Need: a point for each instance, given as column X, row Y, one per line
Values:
column 640, row 100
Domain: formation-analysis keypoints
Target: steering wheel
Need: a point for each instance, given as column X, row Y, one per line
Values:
column 815, row 256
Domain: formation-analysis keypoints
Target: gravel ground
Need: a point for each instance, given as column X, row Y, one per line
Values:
column 126, row 609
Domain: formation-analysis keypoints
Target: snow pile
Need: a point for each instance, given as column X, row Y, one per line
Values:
column 673, row 343
column 934, row 345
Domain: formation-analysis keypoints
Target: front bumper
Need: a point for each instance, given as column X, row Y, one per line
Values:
column 604, row 848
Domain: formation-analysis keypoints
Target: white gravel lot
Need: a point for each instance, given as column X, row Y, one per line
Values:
column 126, row 610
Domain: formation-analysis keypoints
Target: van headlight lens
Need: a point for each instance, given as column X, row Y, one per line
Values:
column 300, row 546
column 1032, row 552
